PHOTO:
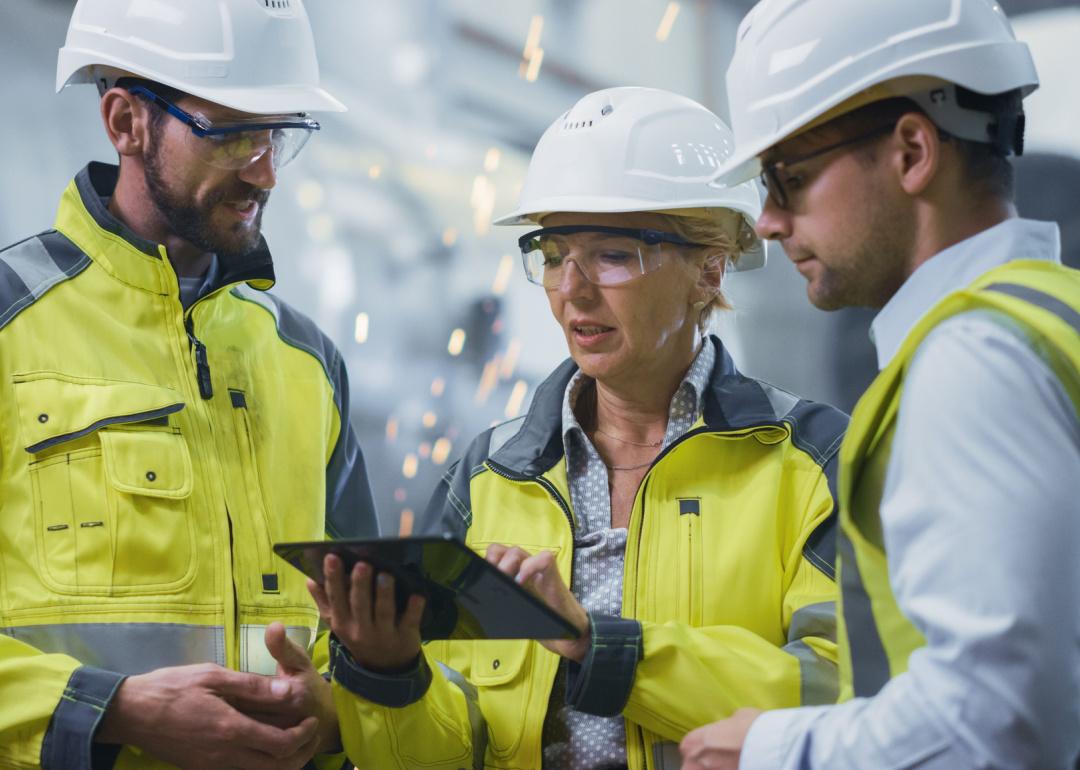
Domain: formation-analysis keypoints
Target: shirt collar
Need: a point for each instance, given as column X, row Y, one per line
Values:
column 953, row 269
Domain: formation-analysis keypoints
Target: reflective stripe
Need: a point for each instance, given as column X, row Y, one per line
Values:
column 817, row 675
column 31, row 262
column 477, row 723
column 869, row 663
column 1040, row 299
column 666, row 756
column 503, row 432
column 127, row 648
column 814, row 620
column 781, row 401
column 255, row 658
column 818, row 682
column 30, row 268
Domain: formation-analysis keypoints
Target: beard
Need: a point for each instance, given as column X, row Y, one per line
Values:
column 869, row 264
column 193, row 221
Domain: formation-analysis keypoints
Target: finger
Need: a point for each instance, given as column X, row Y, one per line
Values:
column 360, row 603
column 337, row 591
column 318, row 593
column 275, row 741
column 414, row 613
column 690, row 744
column 495, row 552
column 302, row 756
column 385, row 604
column 511, row 561
column 254, row 690
column 539, row 568
column 291, row 657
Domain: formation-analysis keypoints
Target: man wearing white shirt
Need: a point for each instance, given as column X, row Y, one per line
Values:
column 882, row 132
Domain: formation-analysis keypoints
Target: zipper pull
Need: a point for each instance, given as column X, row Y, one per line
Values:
column 202, row 364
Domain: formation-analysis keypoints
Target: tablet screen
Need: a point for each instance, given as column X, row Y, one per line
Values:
column 467, row 598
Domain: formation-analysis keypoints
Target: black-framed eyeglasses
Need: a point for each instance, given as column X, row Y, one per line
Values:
column 238, row 144
column 777, row 185
column 606, row 256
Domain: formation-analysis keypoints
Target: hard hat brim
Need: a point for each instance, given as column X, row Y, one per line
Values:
column 612, row 205
column 274, row 100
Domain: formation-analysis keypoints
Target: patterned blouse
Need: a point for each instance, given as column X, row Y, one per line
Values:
column 574, row 740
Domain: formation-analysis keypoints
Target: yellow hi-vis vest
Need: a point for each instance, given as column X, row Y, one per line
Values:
column 876, row 639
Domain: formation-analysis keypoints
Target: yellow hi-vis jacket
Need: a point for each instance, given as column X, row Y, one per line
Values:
column 876, row 640
column 728, row 596
column 149, row 457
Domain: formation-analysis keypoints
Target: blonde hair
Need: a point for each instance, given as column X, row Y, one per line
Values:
column 723, row 236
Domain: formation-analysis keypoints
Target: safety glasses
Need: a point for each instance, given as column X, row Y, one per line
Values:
column 779, row 181
column 606, row 256
column 238, row 144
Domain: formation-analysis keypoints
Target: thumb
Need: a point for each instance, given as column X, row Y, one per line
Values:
column 291, row 657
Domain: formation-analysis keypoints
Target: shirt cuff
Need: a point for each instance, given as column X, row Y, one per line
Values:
column 69, row 739
column 601, row 683
column 395, row 690
column 776, row 739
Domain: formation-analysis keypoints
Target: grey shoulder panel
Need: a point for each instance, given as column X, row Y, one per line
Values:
column 29, row 268
column 818, row 430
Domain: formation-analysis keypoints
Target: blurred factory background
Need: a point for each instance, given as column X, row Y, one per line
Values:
column 380, row 230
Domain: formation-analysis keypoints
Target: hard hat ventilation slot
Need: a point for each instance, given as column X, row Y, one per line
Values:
column 276, row 5
column 568, row 126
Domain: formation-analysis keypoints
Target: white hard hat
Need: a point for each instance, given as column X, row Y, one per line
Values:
column 636, row 149
column 256, row 56
column 796, row 60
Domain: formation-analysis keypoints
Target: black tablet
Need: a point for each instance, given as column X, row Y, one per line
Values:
column 467, row 598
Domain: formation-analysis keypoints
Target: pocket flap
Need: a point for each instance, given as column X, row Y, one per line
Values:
column 54, row 408
column 147, row 462
column 499, row 661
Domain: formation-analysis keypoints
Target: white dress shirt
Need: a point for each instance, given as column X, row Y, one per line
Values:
column 981, row 521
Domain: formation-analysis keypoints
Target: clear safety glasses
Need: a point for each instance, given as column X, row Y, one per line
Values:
column 778, row 180
column 606, row 256
column 239, row 143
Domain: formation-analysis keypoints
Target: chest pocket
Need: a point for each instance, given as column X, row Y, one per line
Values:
column 110, row 483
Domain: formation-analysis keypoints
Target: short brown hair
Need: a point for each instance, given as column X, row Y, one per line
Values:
column 989, row 172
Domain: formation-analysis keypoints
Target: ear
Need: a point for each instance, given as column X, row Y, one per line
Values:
column 710, row 278
column 919, row 158
column 126, row 121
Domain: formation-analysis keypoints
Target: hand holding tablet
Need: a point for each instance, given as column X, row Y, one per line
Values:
column 464, row 596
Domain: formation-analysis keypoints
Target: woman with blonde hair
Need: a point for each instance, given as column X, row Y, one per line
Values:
column 679, row 513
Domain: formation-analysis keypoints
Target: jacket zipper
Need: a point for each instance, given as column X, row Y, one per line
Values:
column 202, row 365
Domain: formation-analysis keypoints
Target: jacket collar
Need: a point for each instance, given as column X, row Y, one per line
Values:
column 732, row 402
column 84, row 217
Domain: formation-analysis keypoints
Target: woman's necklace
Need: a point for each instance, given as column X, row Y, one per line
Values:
column 588, row 405
column 652, row 444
